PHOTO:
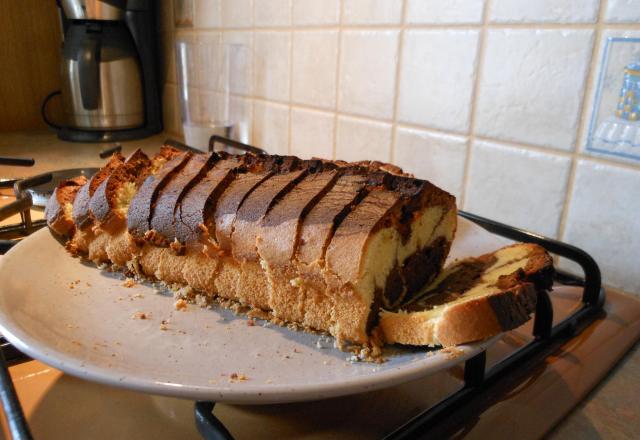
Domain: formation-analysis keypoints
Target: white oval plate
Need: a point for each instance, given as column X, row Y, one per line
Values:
column 89, row 330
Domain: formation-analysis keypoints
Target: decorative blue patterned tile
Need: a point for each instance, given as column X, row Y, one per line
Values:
column 614, row 127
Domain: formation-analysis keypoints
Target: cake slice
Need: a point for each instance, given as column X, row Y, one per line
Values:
column 81, row 210
column 107, row 242
column 111, row 199
column 193, row 217
column 143, row 203
column 473, row 299
column 317, row 228
column 399, row 218
column 59, row 209
column 159, row 254
column 82, row 216
column 252, row 287
column 278, row 239
column 162, row 219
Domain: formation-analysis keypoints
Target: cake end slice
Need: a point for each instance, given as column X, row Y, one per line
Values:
column 473, row 299
column 59, row 209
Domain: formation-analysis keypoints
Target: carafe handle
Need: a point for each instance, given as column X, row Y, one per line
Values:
column 89, row 73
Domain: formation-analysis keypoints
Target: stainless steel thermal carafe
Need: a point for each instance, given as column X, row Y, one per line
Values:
column 101, row 80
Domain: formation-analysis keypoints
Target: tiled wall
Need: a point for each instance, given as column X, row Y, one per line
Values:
column 486, row 98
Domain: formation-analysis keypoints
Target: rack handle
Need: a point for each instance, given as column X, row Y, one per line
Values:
column 593, row 292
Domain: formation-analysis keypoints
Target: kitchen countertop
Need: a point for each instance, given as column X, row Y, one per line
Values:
column 48, row 149
column 610, row 410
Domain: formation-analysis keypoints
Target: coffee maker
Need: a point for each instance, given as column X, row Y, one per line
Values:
column 110, row 86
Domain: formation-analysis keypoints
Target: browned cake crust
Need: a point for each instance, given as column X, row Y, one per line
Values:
column 58, row 212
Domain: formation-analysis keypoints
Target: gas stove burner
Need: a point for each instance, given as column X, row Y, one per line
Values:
column 40, row 193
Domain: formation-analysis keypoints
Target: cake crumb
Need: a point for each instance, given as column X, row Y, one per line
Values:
column 129, row 282
column 141, row 315
column 268, row 381
column 237, row 377
column 251, row 323
column 452, row 352
column 164, row 325
column 180, row 304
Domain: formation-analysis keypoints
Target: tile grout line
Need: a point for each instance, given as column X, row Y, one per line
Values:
column 334, row 147
column 396, row 88
column 252, row 39
column 289, row 137
column 582, row 123
column 512, row 144
column 426, row 26
column 482, row 42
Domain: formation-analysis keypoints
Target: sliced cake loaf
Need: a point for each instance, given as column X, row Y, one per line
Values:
column 473, row 299
column 318, row 243
column 59, row 210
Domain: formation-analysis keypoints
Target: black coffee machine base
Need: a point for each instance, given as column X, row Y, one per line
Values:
column 69, row 134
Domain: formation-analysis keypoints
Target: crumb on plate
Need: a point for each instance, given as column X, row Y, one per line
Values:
column 180, row 304
column 237, row 377
column 141, row 315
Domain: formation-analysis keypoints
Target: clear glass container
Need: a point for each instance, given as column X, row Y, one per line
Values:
column 205, row 74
